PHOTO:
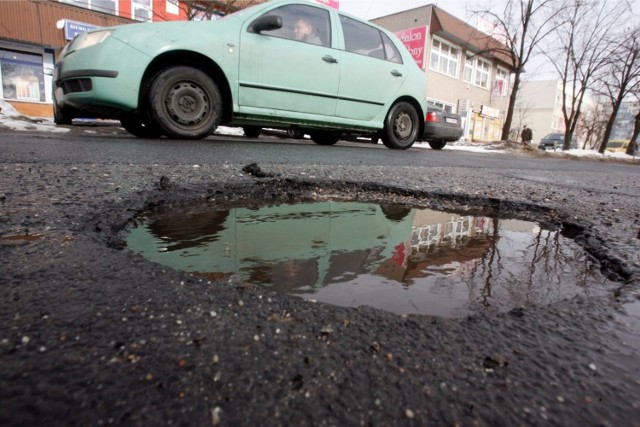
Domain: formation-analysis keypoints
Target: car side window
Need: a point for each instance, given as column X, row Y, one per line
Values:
column 390, row 50
column 306, row 24
column 366, row 40
column 361, row 38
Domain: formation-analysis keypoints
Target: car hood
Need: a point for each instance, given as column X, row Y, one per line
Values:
column 157, row 36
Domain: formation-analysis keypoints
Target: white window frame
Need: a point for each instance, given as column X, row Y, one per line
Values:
column 145, row 5
column 90, row 4
column 482, row 76
column 503, row 75
column 467, row 75
column 444, row 56
column 480, row 71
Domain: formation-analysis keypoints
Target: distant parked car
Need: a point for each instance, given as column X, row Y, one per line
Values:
column 618, row 145
column 441, row 127
column 283, row 64
column 555, row 141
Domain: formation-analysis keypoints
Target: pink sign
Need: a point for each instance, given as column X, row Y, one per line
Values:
column 331, row 3
column 415, row 40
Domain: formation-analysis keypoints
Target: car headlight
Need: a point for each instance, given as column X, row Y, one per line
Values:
column 92, row 39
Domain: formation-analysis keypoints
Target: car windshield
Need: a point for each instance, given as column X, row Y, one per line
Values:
column 554, row 136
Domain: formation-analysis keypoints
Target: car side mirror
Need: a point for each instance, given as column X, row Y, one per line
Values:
column 266, row 23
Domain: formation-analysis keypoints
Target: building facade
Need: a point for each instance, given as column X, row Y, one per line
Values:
column 539, row 106
column 468, row 71
column 625, row 120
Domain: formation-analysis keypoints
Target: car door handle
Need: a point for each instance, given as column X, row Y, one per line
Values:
column 330, row 59
column 396, row 73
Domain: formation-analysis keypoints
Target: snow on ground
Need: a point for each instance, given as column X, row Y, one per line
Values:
column 11, row 119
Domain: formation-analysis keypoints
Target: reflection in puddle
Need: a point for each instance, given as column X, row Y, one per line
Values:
column 394, row 258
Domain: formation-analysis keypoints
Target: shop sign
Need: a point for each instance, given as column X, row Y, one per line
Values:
column 73, row 28
column 331, row 3
column 415, row 40
column 490, row 112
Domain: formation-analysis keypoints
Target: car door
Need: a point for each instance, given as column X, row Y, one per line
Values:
column 372, row 71
column 286, row 71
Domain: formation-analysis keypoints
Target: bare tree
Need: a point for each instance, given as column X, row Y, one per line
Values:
column 593, row 121
column 524, row 25
column 632, row 148
column 621, row 77
column 582, row 50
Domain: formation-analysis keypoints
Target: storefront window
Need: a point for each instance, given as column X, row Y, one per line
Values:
column 22, row 76
column 104, row 6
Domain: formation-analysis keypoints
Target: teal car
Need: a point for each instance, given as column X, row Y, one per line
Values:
column 292, row 65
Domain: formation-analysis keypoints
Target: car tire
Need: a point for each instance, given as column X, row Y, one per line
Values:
column 62, row 116
column 401, row 126
column 295, row 133
column 437, row 145
column 252, row 131
column 137, row 126
column 323, row 137
column 185, row 103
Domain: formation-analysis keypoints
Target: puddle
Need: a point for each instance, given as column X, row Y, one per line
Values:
column 389, row 257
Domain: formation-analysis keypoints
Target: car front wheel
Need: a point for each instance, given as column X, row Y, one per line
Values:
column 185, row 103
column 62, row 116
column 401, row 126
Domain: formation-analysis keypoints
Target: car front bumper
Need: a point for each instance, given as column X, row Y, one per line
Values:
column 98, row 80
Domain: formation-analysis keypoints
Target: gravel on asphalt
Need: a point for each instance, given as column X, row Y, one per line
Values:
column 91, row 334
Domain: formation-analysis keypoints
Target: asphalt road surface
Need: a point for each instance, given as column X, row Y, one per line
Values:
column 91, row 334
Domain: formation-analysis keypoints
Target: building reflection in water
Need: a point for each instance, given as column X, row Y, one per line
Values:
column 390, row 257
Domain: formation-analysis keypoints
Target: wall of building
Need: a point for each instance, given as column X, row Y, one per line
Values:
column 625, row 120
column 539, row 106
column 483, row 109
column 30, row 40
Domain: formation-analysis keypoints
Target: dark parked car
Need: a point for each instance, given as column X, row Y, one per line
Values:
column 441, row 127
column 554, row 141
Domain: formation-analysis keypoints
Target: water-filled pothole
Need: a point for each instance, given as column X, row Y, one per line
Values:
column 390, row 257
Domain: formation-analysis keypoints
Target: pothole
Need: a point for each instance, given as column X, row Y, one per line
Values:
column 399, row 259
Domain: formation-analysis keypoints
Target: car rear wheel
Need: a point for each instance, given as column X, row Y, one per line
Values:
column 185, row 103
column 401, row 126
column 323, row 137
column 137, row 126
column 437, row 145
column 252, row 131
